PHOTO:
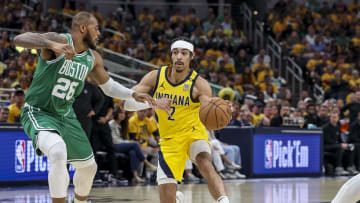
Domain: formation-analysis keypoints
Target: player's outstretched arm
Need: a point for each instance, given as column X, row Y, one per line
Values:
column 113, row 88
column 51, row 44
column 147, row 84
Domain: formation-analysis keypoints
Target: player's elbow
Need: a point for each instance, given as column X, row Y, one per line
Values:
column 17, row 39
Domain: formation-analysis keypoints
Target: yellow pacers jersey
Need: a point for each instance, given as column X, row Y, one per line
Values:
column 184, row 118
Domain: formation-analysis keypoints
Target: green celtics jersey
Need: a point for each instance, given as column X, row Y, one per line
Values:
column 56, row 83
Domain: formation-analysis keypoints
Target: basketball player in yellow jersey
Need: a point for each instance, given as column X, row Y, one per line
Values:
column 182, row 135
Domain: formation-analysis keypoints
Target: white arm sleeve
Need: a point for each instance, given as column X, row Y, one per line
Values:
column 132, row 105
column 116, row 90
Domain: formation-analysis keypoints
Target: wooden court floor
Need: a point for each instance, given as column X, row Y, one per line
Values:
column 285, row 190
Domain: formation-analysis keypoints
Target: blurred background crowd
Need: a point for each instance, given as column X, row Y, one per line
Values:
column 324, row 39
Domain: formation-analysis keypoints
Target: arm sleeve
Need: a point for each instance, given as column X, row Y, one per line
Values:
column 132, row 105
column 116, row 90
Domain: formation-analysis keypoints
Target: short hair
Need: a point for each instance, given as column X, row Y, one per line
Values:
column 82, row 18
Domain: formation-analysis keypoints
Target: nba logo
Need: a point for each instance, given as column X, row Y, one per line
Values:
column 19, row 156
column 268, row 154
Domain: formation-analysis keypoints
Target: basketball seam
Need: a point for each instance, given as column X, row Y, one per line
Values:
column 222, row 110
column 202, row 108
column 217, row 124
column 207, row 114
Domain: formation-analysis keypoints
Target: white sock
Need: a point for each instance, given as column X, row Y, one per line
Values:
column 223, row 199
column 349, row 192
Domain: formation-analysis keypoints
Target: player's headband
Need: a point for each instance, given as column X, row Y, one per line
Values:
column 181, row 44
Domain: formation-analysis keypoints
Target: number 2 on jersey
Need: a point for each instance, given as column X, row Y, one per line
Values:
column 172, row 111
column 64, row 89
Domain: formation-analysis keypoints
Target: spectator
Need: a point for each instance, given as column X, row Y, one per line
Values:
column 145, row 132
column 119, row 128
column 257, row 115
column 140, row 128
column 15, row 108
column 353, row 107
column 334, row 147
column 228, row 154
column 312, row 120
column 101, row 139
column 324, row 115
column 87, row 105
column 4, row 114
column 277, row 121
column 265, row 121
column 262, row 53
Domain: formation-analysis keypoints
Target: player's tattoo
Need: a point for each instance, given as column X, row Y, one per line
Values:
column 53, row 36
column 38, row 41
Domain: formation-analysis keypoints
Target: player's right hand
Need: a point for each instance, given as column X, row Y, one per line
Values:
column 164, row 104
column 143, row 97
column 66, row 49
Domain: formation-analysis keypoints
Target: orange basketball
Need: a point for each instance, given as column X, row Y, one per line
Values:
column 215, row 114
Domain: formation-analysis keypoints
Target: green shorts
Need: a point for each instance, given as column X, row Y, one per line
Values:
column 77, row 144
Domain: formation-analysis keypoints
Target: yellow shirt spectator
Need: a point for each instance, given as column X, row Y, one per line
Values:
column 335, row 18
column 326, row 78
column 261, row 74
column 256, row 118
column 343, row 66
column 230, row 67
column 30, row 67
column 279, row 26
column 355, row 41
column 298, row 49
column 142, row 16
column 312, row 63
column 262, row 86
column 141, row 129
column 347, row 77
column 354, row 83
column 210, row 65
column 14, row 113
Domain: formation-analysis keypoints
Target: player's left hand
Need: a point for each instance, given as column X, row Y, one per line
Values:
column 142, row 97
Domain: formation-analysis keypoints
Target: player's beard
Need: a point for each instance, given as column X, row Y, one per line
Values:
column 88, row 42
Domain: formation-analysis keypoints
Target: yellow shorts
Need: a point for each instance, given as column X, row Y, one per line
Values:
column 174, row 152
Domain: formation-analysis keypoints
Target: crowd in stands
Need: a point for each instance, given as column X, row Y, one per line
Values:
column 124, row 136
column 324, row 41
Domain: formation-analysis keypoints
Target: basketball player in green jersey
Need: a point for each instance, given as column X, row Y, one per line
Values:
column 48, row 118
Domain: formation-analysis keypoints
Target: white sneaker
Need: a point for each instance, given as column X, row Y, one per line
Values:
column 239, row 175
column 234, row 166
column 180, row 197
column 222, row 175
column 230, row 176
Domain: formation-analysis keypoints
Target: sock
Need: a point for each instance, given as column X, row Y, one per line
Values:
column 223, row 199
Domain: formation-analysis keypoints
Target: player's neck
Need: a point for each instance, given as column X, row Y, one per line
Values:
column 79, row 45
column 177, row 77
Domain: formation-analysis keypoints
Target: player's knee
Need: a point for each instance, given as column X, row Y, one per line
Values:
column 93, row 168
column 84, row 177
column 58, row 152
column 203, row 160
